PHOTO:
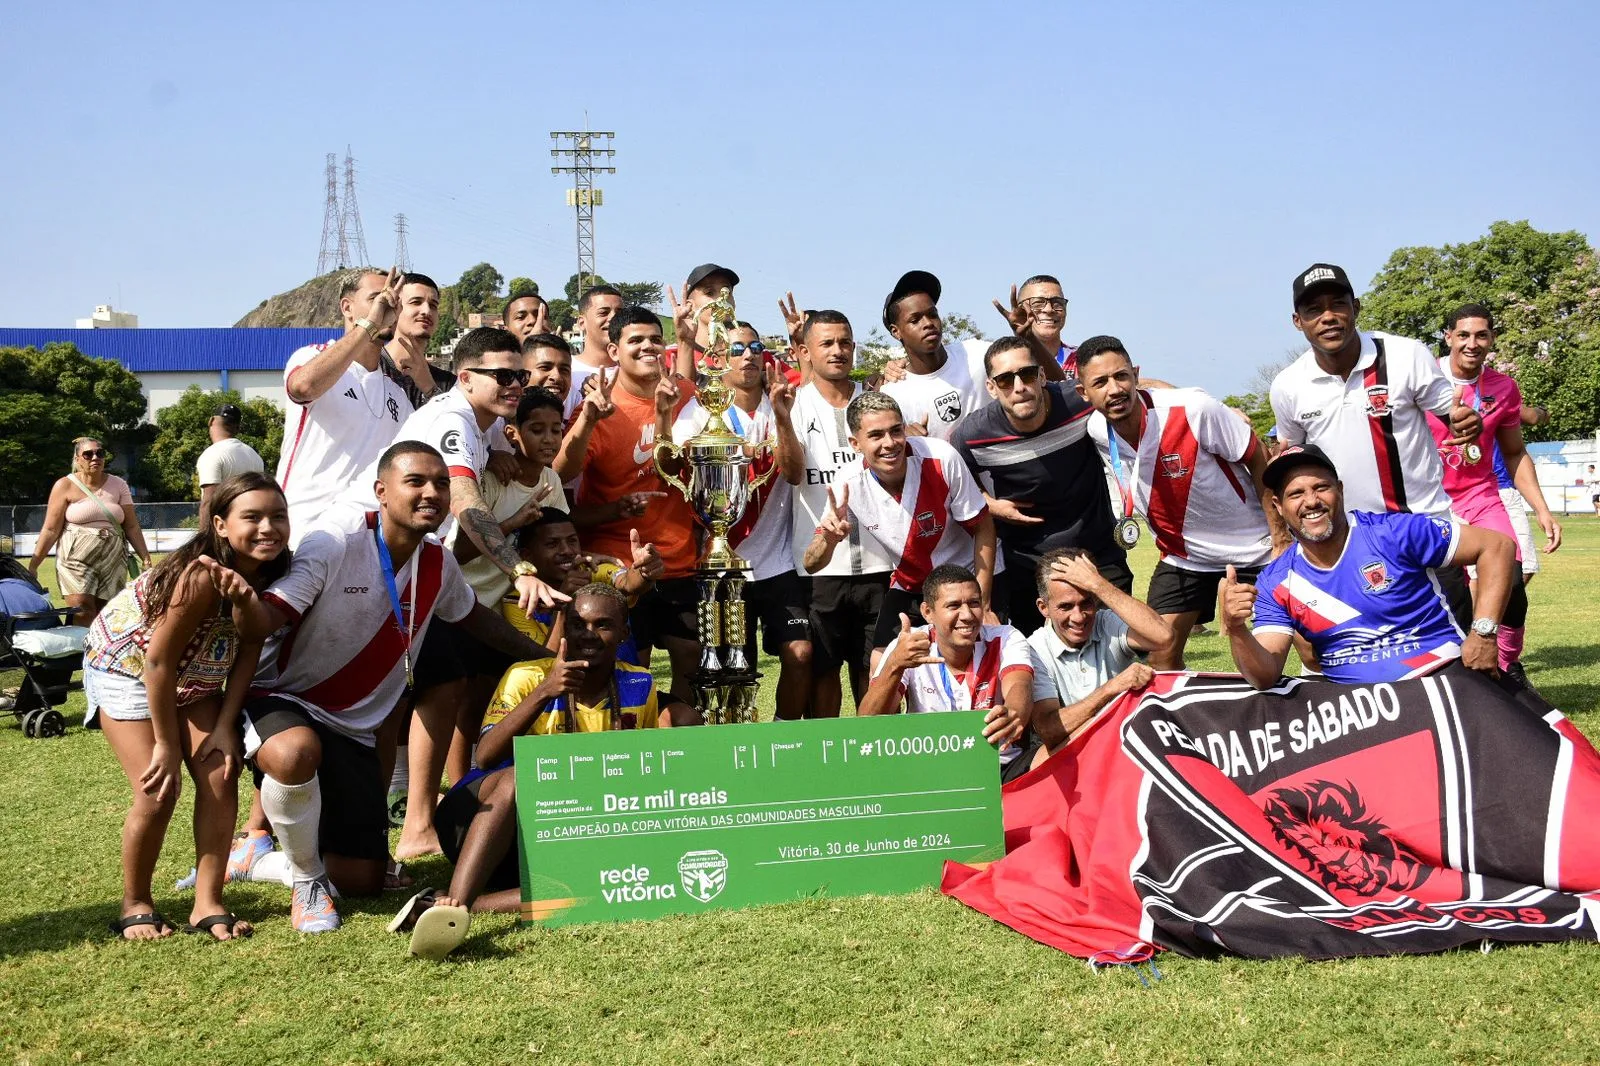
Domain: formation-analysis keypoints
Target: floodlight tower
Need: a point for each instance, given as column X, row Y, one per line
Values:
column 587, row 146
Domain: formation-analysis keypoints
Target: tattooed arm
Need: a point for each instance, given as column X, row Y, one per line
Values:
column 480, row 526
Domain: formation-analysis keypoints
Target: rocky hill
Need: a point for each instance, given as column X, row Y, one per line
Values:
column 313, row 305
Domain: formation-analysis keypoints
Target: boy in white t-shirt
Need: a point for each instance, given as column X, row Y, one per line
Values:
column 943, row 382
column 956, row 663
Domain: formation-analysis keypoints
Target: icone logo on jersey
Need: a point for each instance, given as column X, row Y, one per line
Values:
column 1172, row 466
column 450, row 443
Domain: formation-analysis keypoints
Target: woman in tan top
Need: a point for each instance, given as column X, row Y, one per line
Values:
column 90, row 521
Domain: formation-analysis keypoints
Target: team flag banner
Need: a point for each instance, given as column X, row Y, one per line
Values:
column 642, row 823
column 1315, row 819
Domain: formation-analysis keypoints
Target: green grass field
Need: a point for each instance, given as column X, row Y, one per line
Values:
column 915, row 979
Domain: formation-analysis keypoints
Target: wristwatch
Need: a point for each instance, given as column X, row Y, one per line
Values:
column 371, row 330
column 524, row 569
column 1485, row 628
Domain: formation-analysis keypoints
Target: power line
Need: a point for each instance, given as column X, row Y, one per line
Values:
column 586, row 146
column 330, row 255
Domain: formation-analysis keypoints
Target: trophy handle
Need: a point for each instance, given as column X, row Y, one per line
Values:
column 677, row 453
column 771, row 446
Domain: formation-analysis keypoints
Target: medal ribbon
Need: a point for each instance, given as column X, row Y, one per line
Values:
column 1133, row 466
column 404, row 623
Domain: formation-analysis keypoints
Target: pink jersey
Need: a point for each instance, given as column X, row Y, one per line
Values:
column 1473, row 489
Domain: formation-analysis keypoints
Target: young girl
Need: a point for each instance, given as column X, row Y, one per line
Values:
column 168, row 665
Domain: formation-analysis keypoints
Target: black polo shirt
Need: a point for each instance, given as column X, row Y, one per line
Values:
column 1056, row 468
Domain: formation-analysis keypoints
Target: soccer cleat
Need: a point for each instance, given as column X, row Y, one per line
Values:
column 247, row 848
column 313, row 911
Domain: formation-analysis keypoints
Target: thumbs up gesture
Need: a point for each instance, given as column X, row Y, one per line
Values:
column 1236, row 601
column 914, row 647
column 1466, row 425
column 835, row 525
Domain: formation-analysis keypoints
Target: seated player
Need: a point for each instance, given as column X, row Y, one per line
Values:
column 915, row 497
column 956, row 663
column 1361, row 587
column 586, row 688
column 339, row 659
column 1086, row 653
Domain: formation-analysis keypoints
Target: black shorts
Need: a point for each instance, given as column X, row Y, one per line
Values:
column 355, row 812
column 782, row 604
column 1030, row 745
column 1174, row 590
column 895, row 603
column 449, row 653
column 670, row 609
column 451, row 819
column 844, row 614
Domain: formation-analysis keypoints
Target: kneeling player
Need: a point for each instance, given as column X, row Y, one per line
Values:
column 956, row 663
column 584, row 689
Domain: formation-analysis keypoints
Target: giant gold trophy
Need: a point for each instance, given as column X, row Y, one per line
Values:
column 718, row 484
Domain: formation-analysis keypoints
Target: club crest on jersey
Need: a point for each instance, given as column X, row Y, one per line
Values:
column 1378, row 401
column 928, row 525
column 1172, row 466
column 1376, row 575
column 948, row 406
column 394, row 409
column 1488, row 403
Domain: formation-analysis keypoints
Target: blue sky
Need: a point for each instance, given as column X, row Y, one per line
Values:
column 1174, row 164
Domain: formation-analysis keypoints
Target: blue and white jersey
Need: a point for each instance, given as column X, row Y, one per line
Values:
column 1378, row 614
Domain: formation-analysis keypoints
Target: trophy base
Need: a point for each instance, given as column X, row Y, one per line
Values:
column 727, row 697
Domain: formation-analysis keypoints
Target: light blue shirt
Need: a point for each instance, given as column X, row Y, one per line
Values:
column 1062, row 672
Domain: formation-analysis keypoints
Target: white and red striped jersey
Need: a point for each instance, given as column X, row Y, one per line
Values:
column 1189, row 479
column 999, row 652
column 762, row 534
column 328, row 442
column 1372, row 424
column 342, row 656
column 929, row 522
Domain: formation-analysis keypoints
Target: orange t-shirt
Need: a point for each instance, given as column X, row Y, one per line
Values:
column 620, row 460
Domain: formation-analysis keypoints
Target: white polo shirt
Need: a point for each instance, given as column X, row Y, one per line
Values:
column 1062, row 672
column 947, row 395
column 328, row 442
column 828, row 456
column 450, row 425
column 1189, row 481
column 1372, row 424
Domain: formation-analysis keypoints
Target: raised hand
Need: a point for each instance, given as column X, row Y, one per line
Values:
column 684, row 319
column 793, row 318
column 666, row 395
column 634, row 504
column 914, row 647
column 565, row 675
column 1079, row 572
column 781, row 395
column 1465, row 423
column 230, row 584
column 1019, row 318
column 835, row 525
column 644, row 559
column 597, row 397
column 1236, row 602
column 385, row 308
column 1012, row 511
column 532, row 594
column 541, row 321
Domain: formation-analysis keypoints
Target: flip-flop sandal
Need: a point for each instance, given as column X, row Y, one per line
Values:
column 204, row 926
column 439, row 931
column 133, row 921
column 413, row 909
column 395, row 878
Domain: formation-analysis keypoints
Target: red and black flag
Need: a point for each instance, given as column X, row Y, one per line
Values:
column 1315, row 819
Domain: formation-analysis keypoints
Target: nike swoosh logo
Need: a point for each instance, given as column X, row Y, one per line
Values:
column 642, row 455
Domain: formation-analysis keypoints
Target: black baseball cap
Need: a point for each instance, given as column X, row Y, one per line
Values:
column 911, row 281
column 704, row 271
column 1320, row 276
column 1295, row 455
column 230, row 414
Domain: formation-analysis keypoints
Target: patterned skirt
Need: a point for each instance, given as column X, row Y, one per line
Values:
column 91, row 561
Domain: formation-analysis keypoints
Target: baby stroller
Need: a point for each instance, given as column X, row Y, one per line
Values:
column 35, row 639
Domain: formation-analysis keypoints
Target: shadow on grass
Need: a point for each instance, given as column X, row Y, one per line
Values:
column 1562, row 655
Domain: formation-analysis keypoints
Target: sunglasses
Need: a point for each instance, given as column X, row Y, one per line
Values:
column 504, row 376
column 92, row 453
column 1007, row 378
column 737, row 349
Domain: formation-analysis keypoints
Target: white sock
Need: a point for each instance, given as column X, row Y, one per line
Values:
column 295, row 812
column 273, row 867
column 400, row 780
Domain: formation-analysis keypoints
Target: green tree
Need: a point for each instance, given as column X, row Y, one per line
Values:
column 1544, row 291
column 49, row 396
column 959, row 327
column 643, row 293
column 479, row 288
column 452, row 319
column 563, row 315
column 521, row 287
column 182, row 433
column 570, row 289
